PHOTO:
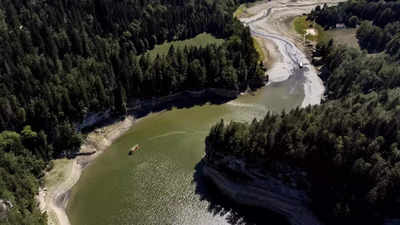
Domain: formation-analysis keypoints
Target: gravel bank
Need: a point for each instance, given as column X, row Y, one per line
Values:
column 54, row 197
column 269, row 24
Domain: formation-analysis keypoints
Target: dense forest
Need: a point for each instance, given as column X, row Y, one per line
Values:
column 20, row 170
column 349, row 145
column 348, row 71
column 61, row 60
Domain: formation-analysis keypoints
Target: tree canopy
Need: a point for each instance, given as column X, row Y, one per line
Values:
column 64, row 59
column 349, row 144
column 379, row 22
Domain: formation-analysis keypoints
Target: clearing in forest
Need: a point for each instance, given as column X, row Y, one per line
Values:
column 242, row 11
column 345, row 36
column 201, row 40
column 314, row 32
column 311, row 30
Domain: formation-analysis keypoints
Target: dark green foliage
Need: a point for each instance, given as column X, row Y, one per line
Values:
column 349, row 149
column 393, row 47
column 353, row 21
column 348, row 71
column 61, row 60
column 349, row 145
column 380, row 12
column 380, row 21
column 19, row 173
column 374, row 38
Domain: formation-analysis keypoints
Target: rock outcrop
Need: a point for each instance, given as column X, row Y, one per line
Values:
column 251, row 187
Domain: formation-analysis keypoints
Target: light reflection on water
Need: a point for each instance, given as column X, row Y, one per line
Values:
column 155, row 185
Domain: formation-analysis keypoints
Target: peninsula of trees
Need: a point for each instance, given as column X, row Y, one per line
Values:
column 63, row 59
column 349, row 145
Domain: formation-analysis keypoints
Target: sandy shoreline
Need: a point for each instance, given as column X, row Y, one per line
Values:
column 54, row 197
column 66, row 173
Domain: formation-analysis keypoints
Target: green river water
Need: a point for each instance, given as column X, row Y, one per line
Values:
column 155, row 184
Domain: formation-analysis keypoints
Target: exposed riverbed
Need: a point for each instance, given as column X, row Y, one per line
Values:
column 155, row 185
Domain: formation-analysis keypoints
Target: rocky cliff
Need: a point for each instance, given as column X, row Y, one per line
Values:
column 248, row 185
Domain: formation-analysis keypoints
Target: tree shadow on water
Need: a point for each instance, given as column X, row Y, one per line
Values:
column 235, row 214
column 181, row 102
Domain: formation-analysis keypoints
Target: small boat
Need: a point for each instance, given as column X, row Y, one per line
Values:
column 134, row 149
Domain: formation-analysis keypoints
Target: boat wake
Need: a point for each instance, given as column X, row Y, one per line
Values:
column 167, row 135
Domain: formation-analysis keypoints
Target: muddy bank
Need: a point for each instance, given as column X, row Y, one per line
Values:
column 269, row 23
column 53, row 198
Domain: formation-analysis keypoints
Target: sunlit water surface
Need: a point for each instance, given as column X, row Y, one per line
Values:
column 155, row 184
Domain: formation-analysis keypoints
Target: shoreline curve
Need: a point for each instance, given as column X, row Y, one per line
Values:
column 54, row 199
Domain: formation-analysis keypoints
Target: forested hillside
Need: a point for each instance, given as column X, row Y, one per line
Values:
column 348, row 147
column 63, row 59
column 20, row 170
column 349, row 71
column 349, row 144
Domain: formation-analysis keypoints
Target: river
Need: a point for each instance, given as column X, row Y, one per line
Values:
column 155, row 185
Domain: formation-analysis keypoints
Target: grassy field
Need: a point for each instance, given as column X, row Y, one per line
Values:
column 200, row 40
column 344, row 36
column 239, row 11
column 340, row 36
column 58, row 173
column 301, row 24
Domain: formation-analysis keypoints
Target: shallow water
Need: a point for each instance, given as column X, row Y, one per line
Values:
column 155, row 185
